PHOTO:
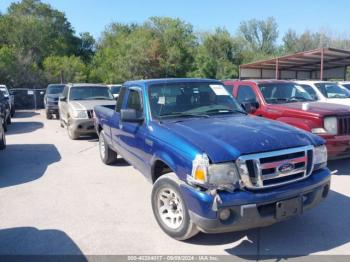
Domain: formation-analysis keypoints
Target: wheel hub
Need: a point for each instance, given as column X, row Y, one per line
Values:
column 170, row 208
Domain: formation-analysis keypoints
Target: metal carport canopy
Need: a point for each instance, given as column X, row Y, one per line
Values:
column 318, row 64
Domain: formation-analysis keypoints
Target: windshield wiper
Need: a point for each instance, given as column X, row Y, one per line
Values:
column 225, row 111
column 179, row 114
column 298, row 98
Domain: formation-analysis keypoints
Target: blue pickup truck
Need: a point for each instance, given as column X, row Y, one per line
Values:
column 213, row 168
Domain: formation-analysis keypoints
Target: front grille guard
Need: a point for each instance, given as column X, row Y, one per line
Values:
column 252, row 177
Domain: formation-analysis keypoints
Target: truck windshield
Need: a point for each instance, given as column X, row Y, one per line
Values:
column 279, row 93
column 55, row 89
column 191, row 100
column 115, row 89
column 90, row 93
column 331, row 90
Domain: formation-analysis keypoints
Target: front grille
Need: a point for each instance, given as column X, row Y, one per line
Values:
column 90, row 113
column 276, row 168
column 344, row 125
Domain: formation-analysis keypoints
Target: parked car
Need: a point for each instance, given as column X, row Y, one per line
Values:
column 291, row 103
column 115, row 89
column 3, row 124
column 76, row 107
column 213, row 168
column 345, row 84
column 5, row 110
column 51, row 97
column 329, row 92
column 8, row 94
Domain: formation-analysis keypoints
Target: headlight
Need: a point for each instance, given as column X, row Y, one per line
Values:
column 320, row 157
column 81, row 114
column 331, row 125
column 221, row 176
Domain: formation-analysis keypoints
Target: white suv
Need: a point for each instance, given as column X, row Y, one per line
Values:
column 329, row 92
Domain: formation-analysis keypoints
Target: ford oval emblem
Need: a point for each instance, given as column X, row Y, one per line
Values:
column 285, row 167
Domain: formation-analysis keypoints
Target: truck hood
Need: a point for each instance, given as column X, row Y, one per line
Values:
column 339, row 101
column 314, row 108
column 226, row 138
column 90, row 104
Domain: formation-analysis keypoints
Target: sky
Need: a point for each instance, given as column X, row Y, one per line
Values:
column 205, row 15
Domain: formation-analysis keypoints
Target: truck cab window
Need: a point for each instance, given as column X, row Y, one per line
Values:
column 120, row 99
column 134, row 101
column 245, row 94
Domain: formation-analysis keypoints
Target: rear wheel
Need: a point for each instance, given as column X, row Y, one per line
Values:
column 2, row 139
column 170, row 210
column 48, row 115
column 108, row 156
column 8, row 120
column 71, row 132
column 4, row 124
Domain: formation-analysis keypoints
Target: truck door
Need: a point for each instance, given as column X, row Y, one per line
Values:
column 132, row 135
column 247, row 97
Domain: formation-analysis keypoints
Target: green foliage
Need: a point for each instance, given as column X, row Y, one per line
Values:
column 65, row 69
column 260, row 34
column 216, row 56
column 38, row 45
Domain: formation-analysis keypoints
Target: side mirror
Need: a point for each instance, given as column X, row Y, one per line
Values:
column 250, row 106
column 63, row 99
column 130, row 115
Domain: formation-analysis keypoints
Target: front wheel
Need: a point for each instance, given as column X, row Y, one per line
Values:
column 2, row 139
column 108, row 156
column 170, row 210
column 71, row 132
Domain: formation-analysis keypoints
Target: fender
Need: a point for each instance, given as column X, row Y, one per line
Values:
column 165, row 158
column 306, row 125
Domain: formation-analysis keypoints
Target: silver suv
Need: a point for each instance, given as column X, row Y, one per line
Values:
column 76, row 106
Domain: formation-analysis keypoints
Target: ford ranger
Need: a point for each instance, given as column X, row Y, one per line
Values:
column 293, row 104
column 213, row 167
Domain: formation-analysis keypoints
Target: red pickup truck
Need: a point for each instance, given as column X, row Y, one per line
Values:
column 293, row 104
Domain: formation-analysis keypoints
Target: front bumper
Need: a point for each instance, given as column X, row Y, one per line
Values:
column 83, row 126
column 250, row 209
column 338, row 147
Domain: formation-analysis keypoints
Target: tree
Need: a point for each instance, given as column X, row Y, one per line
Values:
column 216, row 56
column 65, row 69
column 87, row 47
column 260, row 34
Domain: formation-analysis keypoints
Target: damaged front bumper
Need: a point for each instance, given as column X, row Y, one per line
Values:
column 252, row 209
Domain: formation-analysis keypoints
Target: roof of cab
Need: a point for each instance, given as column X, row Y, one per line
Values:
column 259, row 81
column 147, row 82
column 86, row 85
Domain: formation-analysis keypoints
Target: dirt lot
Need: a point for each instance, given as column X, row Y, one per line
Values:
column 56, row 197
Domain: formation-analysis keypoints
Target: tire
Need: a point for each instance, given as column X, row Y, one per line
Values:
column 71, row 133
column 174, row 219
column 61, row 122
column 5, row 125
column 8, row 120
column 48, row 115
column 107, row 155
column 2, row 139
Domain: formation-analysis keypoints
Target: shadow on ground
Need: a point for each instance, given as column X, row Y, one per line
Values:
column 31, row 241
column 319, row 230
column 23, row 127
column 341, row 165
column 25, row 114
column 24, row 163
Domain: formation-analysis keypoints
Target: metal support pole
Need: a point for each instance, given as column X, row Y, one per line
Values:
column 277, row 70
column 322, row 61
